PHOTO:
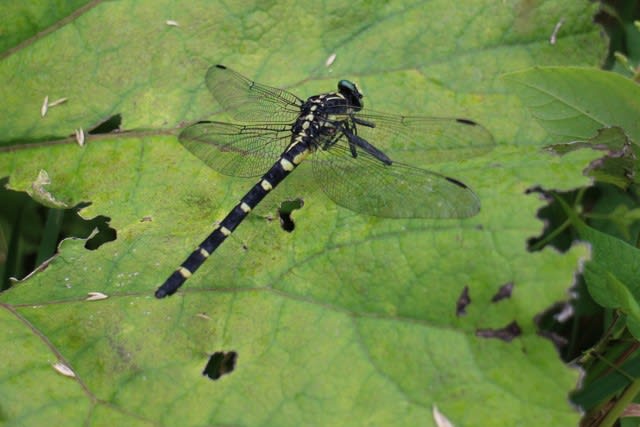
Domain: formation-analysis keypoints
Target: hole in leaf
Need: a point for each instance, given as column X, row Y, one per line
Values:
column 220, row 363
column 103, row 234
column 466, row 122
column 560, row 322
column 551, row 320
column 285, row 211
column 30, row 232
column 112, row 124
column 508, row 333
column 463, row 301
column 503, row 292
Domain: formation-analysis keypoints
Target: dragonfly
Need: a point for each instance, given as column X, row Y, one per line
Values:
column 277, row 131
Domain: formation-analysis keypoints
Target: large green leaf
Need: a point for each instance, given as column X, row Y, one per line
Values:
column 574, row 102
column 349, row 320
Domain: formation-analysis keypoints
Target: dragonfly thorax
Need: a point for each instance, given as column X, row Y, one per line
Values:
column 320, row 118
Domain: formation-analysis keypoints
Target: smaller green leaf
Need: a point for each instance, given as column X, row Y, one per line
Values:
column 623, row 219
column 611, row 274
column 619, row 167
column 627, row 302
column 573, row 102
column 610, row 384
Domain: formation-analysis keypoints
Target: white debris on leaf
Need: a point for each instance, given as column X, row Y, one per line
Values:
column 440, row 419
column 64, row 370
column 45, row 106
column 554, row 34
column 96, row 296
column 57, row 102
column 172, row 23
column 330, row 60
column 80, row 137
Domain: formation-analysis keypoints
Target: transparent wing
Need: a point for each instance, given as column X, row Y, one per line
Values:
column 365, row 185
column 248, row 101
column 237, row 150
column 432, row 139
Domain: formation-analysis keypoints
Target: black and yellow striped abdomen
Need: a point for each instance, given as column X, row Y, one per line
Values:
column 289, row 160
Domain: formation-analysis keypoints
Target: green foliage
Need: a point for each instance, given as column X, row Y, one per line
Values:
column 572, row 93
column 600, row 110
column 348, row 320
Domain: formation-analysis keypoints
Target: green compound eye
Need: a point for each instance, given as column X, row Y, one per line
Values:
column 351, row 93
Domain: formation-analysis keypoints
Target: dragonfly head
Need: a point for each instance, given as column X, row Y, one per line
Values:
column 351, row 93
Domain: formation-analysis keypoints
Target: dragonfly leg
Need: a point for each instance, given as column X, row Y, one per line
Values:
column 363, row 122
column 355, row 140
